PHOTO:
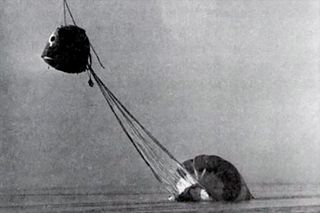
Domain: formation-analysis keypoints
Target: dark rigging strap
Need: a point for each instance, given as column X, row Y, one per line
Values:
column 66, row 5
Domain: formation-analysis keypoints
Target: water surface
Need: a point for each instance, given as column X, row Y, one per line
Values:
column 269, row 198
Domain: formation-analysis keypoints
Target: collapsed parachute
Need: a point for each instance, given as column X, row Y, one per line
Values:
column 221, row 180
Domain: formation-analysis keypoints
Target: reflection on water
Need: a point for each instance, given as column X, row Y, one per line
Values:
column 269, row 197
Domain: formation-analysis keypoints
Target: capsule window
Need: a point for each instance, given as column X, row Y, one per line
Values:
column 52, row 39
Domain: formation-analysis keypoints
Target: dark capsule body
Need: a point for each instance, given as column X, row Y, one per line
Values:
column 68, row 49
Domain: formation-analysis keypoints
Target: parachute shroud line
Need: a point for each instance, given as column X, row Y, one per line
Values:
column 162, row 163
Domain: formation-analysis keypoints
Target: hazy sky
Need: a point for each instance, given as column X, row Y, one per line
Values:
column 239, row 79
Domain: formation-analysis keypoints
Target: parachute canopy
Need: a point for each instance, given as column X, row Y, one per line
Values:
column 221, row 180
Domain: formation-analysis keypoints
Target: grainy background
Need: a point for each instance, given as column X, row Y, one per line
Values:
column 239, row 79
